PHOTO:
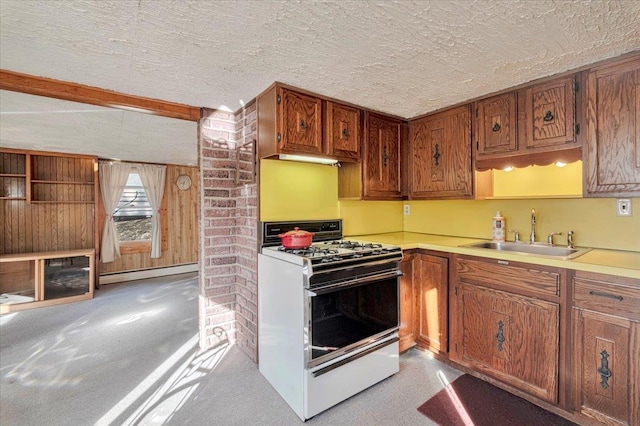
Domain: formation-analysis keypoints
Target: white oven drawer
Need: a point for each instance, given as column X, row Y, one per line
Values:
column 328, row 389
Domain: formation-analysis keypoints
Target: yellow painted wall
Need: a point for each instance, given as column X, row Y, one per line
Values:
column 297, row 191
column 536, row 181
column 593, row 220
column 371, row 217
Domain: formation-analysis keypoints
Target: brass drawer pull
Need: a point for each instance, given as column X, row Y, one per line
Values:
column 609, row 295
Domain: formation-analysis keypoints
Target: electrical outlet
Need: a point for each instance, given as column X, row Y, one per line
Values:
column 623, row 207
column 407, row 209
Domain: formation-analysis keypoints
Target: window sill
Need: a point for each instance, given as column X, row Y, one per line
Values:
column 132, row 247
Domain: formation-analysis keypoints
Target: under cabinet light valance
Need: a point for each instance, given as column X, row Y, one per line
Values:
column 308, row 159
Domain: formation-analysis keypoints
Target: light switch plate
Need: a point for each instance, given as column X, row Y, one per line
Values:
column 623, row 207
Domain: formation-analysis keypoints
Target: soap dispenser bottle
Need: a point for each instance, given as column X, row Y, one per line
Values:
column 499, row 227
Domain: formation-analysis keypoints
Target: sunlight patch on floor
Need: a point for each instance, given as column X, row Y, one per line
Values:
column 457, row 404
column 166, row 396
column 7, row 317
column 126, row 319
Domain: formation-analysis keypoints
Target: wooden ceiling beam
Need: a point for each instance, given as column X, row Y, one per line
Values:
column 42, row 86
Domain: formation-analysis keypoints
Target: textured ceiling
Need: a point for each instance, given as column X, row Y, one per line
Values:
column 402, row 57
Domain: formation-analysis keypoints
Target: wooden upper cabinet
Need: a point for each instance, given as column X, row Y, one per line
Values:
column 612, row 151
column 293, row 122
column 532, row 125
column 549, row 114
column 381, row 157
column 342, row 132
column 440, row 155
column 497, row 130
column 299, row 122
column 289, row 122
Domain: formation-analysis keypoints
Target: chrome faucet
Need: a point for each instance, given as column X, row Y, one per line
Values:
column 532, row 237
column 550, row 237
column 570, row 239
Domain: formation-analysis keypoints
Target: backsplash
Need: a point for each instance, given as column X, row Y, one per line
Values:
column 297, row 191
column 371, row 217
column 294, row 191
column 593, row 220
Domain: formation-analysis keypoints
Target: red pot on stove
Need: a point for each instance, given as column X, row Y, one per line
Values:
column 296, row 239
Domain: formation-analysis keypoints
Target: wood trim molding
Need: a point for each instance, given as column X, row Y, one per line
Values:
column 42, row 86
column 131, row 247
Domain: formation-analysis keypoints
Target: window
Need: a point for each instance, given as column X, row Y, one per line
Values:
column 133, row 215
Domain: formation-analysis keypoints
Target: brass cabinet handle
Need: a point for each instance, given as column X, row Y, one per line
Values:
column 345, row 133
column 496, row 127
column 548, row 116
column 384, row 156
column 303, row 125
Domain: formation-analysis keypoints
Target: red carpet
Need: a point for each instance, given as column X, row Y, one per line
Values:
column 469, row 401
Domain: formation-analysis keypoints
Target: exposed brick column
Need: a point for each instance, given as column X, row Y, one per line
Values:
column 246, row 197
column 228, row 225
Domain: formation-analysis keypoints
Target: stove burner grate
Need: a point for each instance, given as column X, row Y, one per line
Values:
column 353, row 245
column 309, row 251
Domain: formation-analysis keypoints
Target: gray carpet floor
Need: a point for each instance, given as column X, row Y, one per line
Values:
column 130, row 356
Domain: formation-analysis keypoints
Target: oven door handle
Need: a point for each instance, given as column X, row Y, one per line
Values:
column 354, row 281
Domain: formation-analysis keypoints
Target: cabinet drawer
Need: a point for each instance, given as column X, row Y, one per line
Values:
column 510, row 277
column 604, row 296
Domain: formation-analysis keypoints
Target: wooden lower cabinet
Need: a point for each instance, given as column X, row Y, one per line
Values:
column 512, row 337
column 407, row 304
column 431, row 279
column 36, row 280
column 606, row 364
column 424, row 301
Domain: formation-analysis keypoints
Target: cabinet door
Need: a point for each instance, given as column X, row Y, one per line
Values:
column 431, row 278
column 550, row 114
column 607, row 369
column 407, row 303
column 497, row 125
column 381, row 166
column 299, row 122
column 440, row 155
column 510, row 337
column 613, row 130
column 342, row 132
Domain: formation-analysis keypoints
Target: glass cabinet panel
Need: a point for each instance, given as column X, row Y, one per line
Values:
column 66, row 276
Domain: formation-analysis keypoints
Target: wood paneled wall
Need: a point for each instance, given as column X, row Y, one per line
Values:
column 31, row 228
column 180, row 230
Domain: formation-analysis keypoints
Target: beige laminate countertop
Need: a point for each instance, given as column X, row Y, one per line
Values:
column 613, row 262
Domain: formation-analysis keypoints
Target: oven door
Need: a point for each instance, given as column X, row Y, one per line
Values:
column 345, row 317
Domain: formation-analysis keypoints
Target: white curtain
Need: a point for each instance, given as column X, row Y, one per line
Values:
column 152, row 178
column 113, row 178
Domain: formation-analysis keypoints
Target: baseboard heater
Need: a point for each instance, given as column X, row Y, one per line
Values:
column 119, row 277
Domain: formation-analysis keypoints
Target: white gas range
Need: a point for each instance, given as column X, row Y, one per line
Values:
column 328, row 315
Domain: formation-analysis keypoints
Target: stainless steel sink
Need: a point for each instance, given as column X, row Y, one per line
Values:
column 531, row 249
